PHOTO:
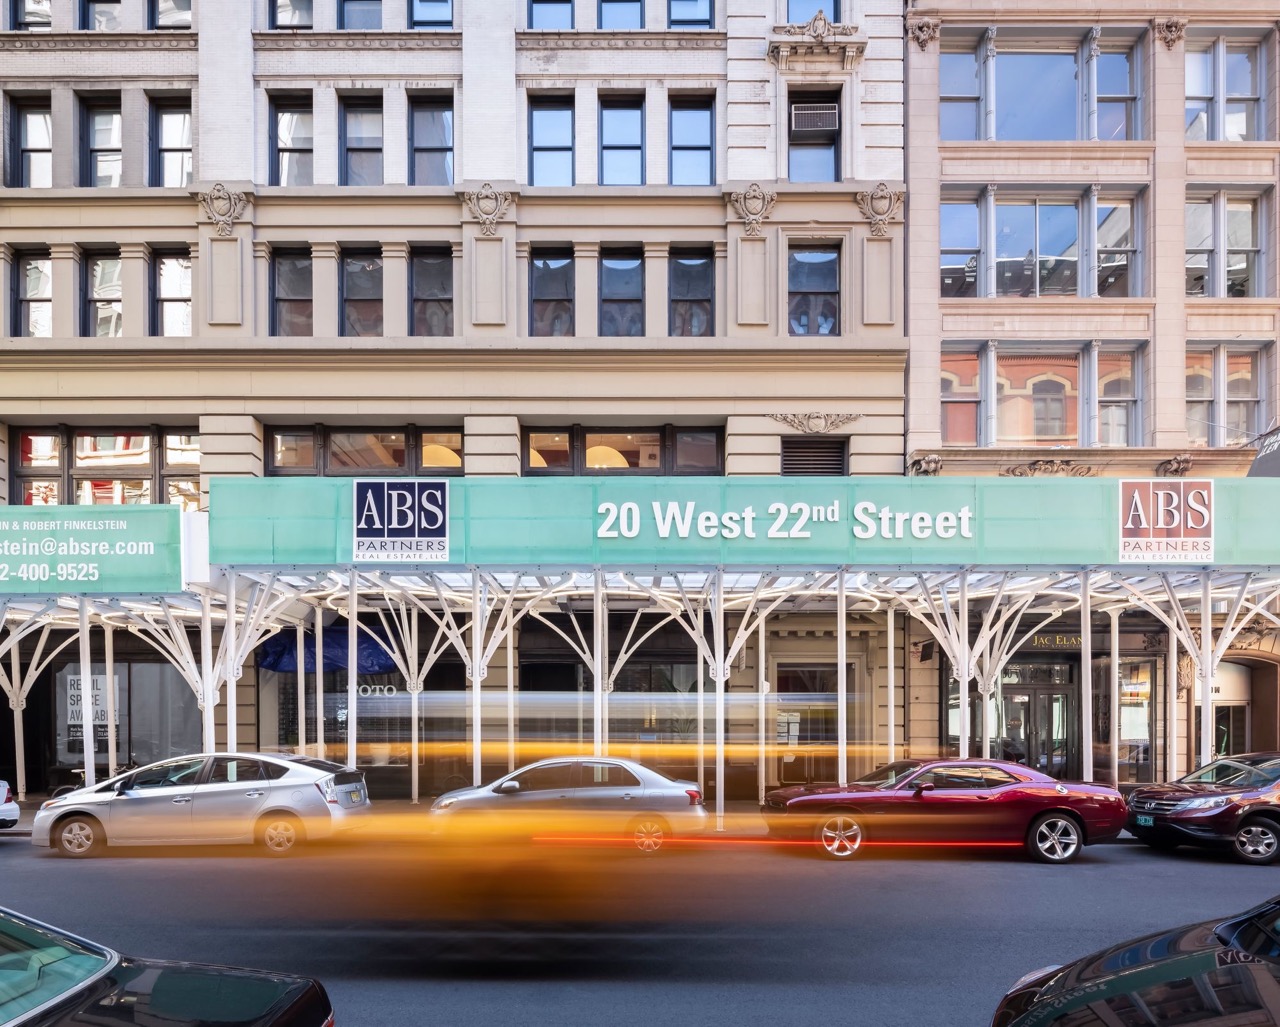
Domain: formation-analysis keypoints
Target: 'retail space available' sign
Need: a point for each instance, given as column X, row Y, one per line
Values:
column 1166, row 520
column 402, row 520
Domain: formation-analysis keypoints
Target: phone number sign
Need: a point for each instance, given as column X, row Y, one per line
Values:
column 78, row 550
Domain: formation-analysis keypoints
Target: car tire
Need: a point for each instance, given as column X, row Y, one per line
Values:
column 839, row 835
column 280, row 834
column 78, row 836
column 649, row 834
column 1055, row 838
column 1257, row 841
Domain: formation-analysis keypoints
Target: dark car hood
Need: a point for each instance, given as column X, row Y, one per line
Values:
column 795, row 791
column 1181, row 791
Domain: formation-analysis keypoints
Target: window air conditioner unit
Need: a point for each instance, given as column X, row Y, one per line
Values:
column 815, row 118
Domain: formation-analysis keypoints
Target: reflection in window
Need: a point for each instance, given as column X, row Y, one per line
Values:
column 1035, row 96
column 551, row 142
column 172, row 168
column 1117, row 398
column 689, row 14
column 551, row 289
column 348, row 451
column 621, row 294
column 171, row 14
column 34, row 312
column 294, row 143
column 362, row 143
column 293, row 14
column 1223, row 395
column 171, row 288
column 1037, row 248
column 440, row 450
column 961, row 253
column 690, row 289
column 621, row 14
column 35, row 148
column 1117, row 96
column 665, row 449
column 1116, row 249
column 1223, row 94
column 1037, row 399
column 549, row 450
column 622, row 141
column 103, row 159
column 432, row 14
column 103, row 297
column 1222, row 247
column 32, row 15
column 353, row 451
column 432, row 292
column 961, row 399
column 291, row 292
column 959, row 96
column 361, row 293
column 692, row 159
column 432, row 143
column 813, row 290
column 360, row 14
column 550, row 14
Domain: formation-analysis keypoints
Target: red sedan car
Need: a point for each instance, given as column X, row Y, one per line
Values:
column 948, row 801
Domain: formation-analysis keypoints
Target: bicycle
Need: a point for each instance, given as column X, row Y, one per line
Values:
column 78, row 773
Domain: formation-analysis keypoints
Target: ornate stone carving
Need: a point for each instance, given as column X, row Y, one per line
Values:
column 923, row 31
column 880, row 206
column 989, row 44
column 73, row 41
column 820, row 27
column 1175, row 467
column 926, row 466
column 692, row 40
column 1095, row 48
column 1049, row 469
column 753, row 205
column 488, row 206
column 1170, row 31
column 1154, row 641
column 1251, row 637
column 815, row 423
column 818, row 37
column 222, row 207
column 349, row 40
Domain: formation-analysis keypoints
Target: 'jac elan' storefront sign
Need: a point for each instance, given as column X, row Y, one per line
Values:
column 744, row 522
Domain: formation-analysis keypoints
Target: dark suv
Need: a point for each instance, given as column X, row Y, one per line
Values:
column 1234, row 801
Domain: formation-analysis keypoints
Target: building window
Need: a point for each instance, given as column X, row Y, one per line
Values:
column 621, row 14
column 293, row 143
column 31, row 16
column 1037, row 247
column 361, row 292
column 1036, row 93
column 1028, row 395
column 432, row 143
column 33, row 292
column 1223, row 258
column 171, row 294
column 1224, row 399
column 550, row 14
column 813, row 150
column 107, row 465
column 292, row 14
column 622, row 293
column 801, row 12
column 361, row 142
column 1117, row 249
column 691, row 293
column 360, row 14
column 346, row 452
column 551, row 141
column 1224, row 96
column 103, row 296
column 170, row 14
column 813, row 290
column 432, row 292
column 663, row 449
column 692, row 146
column 33, row 144
column 102, row 145
column 689, row 14
column 622, row 140
column 961, row 252
column 171, row 143
column 551, row 292
column 431, row 14
column 815, row 454
column 291, row 292
column 100, row 15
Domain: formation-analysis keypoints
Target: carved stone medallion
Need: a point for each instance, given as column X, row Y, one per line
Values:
column 926, row 466
column 924, row 31
column 820, row 27
column 1049, row 469
column 753, row 205
column 815, row 423
column 488, row 206
column 1170, row 31
column 222, row 207
column 879, row 207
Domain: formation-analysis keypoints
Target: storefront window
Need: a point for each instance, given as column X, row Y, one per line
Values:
column 346, row 452
column 807, row 719
column 664, row 449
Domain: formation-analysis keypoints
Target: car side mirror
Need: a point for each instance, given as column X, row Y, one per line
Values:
column 925, row 786
column 122, row 786
column 508, row 787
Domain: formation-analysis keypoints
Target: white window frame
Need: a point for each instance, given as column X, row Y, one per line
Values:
column 1217, row 426
column 1216, row 279
column 1217, row 49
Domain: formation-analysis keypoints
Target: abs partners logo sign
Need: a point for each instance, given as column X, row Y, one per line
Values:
column 402, row 520
column 1166, row 520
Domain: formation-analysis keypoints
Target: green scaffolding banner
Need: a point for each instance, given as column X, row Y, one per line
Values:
column 745, row 522
column 90, row 550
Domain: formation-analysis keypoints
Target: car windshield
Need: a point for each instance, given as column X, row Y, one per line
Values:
column 38, row 964
column 889, row 775
column 1236, row 773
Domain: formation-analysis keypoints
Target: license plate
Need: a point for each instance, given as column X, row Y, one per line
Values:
column 354, row 796
column 1144, row 821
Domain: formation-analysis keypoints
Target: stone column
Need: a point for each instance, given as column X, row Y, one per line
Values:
column 261, row 326
column 133, row 289
column 656, row 257
column 586, row 297
column 656, row 141
column 65, row 260
column 461, row 318
column 720, row 299
column 395, row 133
column 586, row 151
column 325, row 156
column 230, row 446
column 325, row 289
column 135, row 169
column 8, row 297
column 491, row 446
column 65, row 108
column 395, row 289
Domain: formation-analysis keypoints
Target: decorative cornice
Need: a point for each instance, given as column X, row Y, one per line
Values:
column 819, row 27
column 222, row 207
column 488, row 206
column 620, row 41
column 880, row 206
column 926, row 466
column 348, row 40
column 753, row 205
column 923, row 31
column 1049, row 469
column 815, row 423
column 79, row 41
column 1095, row 46
column 1170, row 31
column 1178, row 466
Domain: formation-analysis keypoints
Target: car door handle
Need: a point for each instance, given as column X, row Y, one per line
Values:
column 626, row 796
column 257, row 793
column 182, row 798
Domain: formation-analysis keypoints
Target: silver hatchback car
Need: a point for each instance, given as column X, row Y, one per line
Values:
column 589, row 797
column 277, row 801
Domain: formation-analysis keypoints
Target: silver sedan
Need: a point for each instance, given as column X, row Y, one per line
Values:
column 277, row 801
column 589, row 797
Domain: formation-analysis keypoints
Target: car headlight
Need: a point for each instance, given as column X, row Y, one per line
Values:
column 440, row 804
column 47, row 804
column 1205, row 802
column 1026, row 979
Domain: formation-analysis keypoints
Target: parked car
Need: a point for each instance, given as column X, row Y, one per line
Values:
column 8, row 808
column 596, row 798
column 49, row 978
column 1221, row 971
column 1232, row 802
column 277, row 801
column 948, row 801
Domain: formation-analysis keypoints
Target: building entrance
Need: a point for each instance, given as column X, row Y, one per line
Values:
column 1033, row 718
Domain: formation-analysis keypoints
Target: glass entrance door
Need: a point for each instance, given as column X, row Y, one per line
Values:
column 1230, row 729
column 1035, row 725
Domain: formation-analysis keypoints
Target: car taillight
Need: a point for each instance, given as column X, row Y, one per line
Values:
column 328, row 791
column 329, row 1022
column 8, row 795
column 695, row 796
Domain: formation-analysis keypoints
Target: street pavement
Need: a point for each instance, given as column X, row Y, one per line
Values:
column 738, row 933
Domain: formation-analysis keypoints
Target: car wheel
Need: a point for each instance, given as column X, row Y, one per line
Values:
column 280, row 834
column 649, row 834
column 78, row 836
column 1257, row 841
column 1054, row 838
column 839, row 836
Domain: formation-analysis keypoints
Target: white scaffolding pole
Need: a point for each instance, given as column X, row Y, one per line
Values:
column 1113, row 743
column 511, row 701
column 17, row 703
column 86, row 698
column 762, row 688
column 231, row 665
column 965, row 668
column 1206, row 671
column 1086, row 676
column 473, row 668
column 701, row 732
column 109, row 658
column 1171, row 709
column 721, row 672
column 598, row 632
column 300, row 655
column 353, row 665
column 842, row 684
column 319, row 683
column 892, row 684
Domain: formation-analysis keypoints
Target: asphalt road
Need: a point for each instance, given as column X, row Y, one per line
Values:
column 740, row 934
